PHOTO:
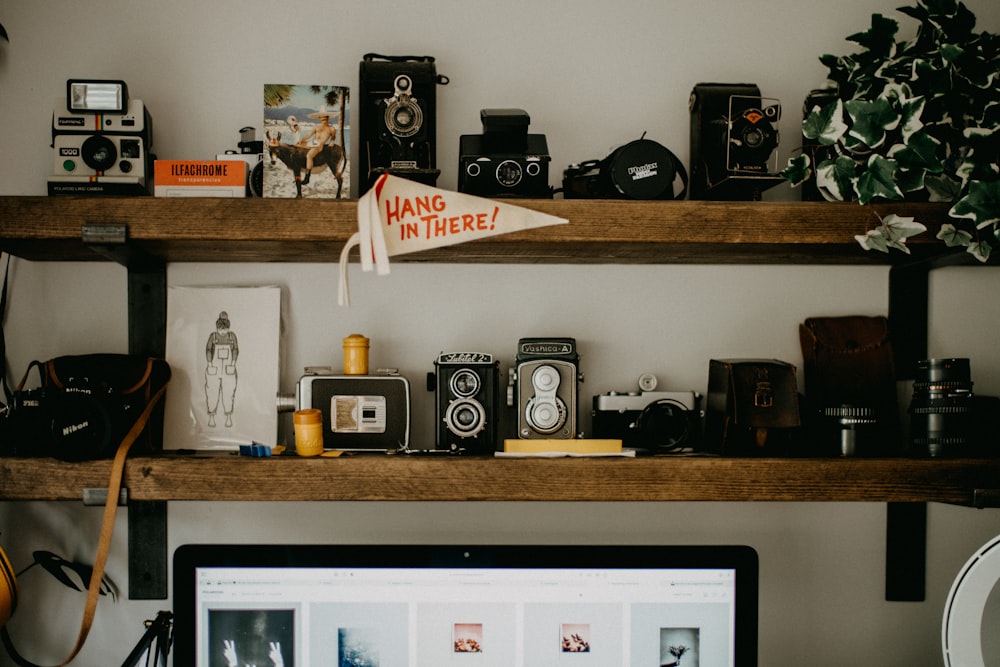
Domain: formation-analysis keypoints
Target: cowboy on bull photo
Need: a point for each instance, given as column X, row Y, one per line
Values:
column 309, row 153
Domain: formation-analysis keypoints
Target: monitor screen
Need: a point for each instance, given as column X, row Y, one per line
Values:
column 408, row 605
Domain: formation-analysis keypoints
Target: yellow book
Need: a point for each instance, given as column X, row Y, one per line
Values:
column 575, row 446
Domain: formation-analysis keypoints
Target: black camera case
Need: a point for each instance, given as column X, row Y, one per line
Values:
column 397, row 118
column 640, row 169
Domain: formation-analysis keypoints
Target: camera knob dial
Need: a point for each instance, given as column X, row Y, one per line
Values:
column 509, row 173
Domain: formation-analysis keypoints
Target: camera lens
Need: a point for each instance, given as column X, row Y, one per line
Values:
column 403, row 117
column 464, row 383
column 99, row 153
column 941, row 407
column 465, row 417
column 509, row 173
column 753, row 138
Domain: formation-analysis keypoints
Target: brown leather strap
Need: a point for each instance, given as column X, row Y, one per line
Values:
column 108, row 524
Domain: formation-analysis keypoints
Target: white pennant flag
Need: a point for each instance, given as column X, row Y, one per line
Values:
column 398, row 216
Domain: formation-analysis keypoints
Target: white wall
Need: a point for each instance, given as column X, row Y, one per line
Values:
column 592, row 75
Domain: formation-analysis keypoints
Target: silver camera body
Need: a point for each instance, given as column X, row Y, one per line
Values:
column 544, row 388
column 660, row 421
column 101, row 141
column 360, row 412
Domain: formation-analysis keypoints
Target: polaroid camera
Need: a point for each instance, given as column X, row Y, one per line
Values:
column 101, row 141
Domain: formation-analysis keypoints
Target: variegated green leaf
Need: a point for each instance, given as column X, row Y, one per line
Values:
column 799, row 169
column 911, row 123
column 981, row 204
column 836, row 178
column 825, row 125
column 953, row 236
column 919, row 153
column 980, row 250
column 897, row 229
column 877, row 180
column 873, row 240
column 941, row 188
column 871, row 120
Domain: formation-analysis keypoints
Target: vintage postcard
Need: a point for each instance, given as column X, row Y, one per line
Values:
column 306, row 140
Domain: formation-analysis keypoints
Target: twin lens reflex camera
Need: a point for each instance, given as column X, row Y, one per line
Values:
column 467, row 394
column 543, row 387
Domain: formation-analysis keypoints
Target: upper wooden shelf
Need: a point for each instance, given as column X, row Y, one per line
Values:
column 599, row 231
column 374, row 477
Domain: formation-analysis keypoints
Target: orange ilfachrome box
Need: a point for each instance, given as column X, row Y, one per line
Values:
column 200, row 178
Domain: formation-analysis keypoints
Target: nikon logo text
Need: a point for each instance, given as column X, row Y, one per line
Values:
column 73, row 428
column 641, row 171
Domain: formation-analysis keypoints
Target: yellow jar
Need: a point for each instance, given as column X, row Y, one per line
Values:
column 355, row 355
column 308, row 432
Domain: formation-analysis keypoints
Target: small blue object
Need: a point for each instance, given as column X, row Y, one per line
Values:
column 255, row 450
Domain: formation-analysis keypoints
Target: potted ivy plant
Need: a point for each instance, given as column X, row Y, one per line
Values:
column 913, row 120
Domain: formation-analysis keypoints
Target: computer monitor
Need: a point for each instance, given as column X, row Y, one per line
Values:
column 434, row 605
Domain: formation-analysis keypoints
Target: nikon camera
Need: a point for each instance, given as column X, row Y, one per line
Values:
column 544, row 388
column 467, row 393
column 101, row 140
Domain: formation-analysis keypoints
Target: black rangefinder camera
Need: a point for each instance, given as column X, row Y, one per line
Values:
column 467, row 393
column 397, row 118
column 661, row 422
column 544, row 388
column 505, row 160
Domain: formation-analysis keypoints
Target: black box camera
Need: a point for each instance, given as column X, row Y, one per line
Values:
column 467, row 393
column 397, row 118
column 101, row 140
column 544, row 388
column 360, row 412
column 505, row 160
column 734, row 141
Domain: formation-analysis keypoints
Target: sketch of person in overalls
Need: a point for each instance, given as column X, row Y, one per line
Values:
column 221, row 352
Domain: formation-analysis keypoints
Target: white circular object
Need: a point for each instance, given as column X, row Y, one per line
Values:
column 969, row 636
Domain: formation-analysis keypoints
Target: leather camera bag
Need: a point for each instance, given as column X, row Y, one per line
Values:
column 124, row 382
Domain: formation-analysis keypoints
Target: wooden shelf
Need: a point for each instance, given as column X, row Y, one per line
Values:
column 447, row 478
column 599, row 231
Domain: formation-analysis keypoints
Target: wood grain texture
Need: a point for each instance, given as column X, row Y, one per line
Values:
column 446, row 478
column 599, row 231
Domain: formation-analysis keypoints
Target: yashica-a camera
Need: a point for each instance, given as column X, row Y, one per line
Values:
column 467, row 394
column 397, row 122
column 734, row 141
column 544, row 388
column 505, row 160
column 101, row 141
column 662, row 422
column 360, row 412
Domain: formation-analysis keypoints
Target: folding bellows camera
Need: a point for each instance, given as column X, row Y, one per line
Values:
column 101, row 140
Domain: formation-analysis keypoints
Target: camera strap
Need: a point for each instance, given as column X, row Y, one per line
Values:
column 104, row 541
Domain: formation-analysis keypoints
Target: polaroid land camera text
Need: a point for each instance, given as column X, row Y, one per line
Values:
column 101, row 140
column 360, row 412
column 543, row 387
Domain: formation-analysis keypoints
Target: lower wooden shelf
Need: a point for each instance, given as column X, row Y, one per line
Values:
column 445, row 478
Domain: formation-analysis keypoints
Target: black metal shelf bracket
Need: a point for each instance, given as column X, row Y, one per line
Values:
column 906, row 523
column 147, row 336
